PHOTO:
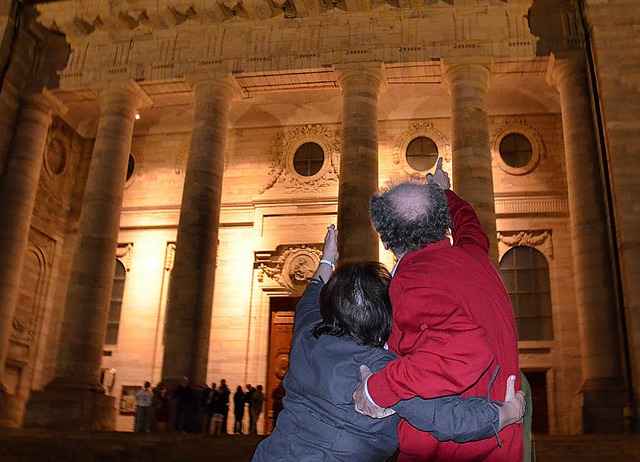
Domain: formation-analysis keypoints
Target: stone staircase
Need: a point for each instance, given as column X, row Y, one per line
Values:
column 587, row 448
column 51, row 446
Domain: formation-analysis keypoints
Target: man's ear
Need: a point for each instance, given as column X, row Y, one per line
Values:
column 386, row 246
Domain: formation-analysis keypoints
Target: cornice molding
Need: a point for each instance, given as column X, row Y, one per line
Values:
column 167, row 40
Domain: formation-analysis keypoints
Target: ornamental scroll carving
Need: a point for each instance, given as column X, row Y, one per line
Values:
column 291, row 266
column 283, row 148
column 539, row 240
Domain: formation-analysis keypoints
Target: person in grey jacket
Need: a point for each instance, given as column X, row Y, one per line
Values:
column 338, row 327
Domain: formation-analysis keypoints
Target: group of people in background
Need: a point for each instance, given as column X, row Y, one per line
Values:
column 185, row 409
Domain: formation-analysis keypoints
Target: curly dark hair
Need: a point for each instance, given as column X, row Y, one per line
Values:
column 410, row 215
column 355, row 303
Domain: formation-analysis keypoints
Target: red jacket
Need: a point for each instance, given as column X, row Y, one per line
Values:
column 452, row 325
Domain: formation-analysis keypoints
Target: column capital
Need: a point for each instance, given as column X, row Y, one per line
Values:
column 561, row 68
column 42, row 99
column 478, row 72
column 203, row 84
column 129, row 93
column 372, row 71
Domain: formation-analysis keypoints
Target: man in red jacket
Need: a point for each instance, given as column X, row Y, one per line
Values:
column 453, row 326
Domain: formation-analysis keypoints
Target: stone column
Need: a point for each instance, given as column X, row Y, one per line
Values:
column 603, row 388
column 472, row 171
column 75, row 398
column 17, row 198
column 358, row 161
column 192, row 279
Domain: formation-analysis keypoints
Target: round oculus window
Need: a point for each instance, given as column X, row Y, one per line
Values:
column 308, row 159
column 422, row 154
column 516, row 150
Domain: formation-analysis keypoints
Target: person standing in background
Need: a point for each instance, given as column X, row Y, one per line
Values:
column 255, row 409
column 144, row 401
column 225, row 393
column 238, row 410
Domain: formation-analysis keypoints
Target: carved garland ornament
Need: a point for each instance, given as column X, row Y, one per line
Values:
column 283, row 148
column 124, row 253
column 294, row 266
column 539, row 240
column 416, row 130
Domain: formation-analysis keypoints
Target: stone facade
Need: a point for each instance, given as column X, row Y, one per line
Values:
column 226, row 93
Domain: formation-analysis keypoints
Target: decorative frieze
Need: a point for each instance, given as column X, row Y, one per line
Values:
column 532, row 205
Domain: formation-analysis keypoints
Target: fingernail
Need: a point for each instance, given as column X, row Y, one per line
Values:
column 512, row 377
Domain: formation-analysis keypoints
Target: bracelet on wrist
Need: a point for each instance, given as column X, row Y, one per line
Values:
column 330, row 263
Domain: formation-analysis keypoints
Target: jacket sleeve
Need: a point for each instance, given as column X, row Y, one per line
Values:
column 467, row 229
column 448, row 355
column 307, row 309
column 451, row 417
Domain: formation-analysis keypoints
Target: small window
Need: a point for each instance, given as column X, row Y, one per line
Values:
column 308, row 159
column 131, row 166
column 113, row 324
column 422, row 154
column 516, row 150
column 525, row 273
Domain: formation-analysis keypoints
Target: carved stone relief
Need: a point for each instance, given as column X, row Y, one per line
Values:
column 283, row 148
column 170, row 256
column 291, row 266
column 30, row 306
column 539, row 240
column 416, row 130
column 57, row 149
column 517, row 126
column 124, row 253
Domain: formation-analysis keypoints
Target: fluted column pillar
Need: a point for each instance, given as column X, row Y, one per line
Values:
column 18, row 189
column 471, row 153
column 88, row 298
column 192, row 279
column 600, row 346
column 358, row 161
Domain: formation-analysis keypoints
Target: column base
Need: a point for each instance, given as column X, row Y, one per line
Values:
column 603, row 407
column 11, row 409
column 71, row 409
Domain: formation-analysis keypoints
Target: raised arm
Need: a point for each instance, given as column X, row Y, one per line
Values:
column 467, row 229
column 307, row 310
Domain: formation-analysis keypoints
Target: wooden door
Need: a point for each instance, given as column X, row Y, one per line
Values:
column 282, row 313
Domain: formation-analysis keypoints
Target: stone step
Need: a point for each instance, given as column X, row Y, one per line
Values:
column 51, row 446
column 587, row 448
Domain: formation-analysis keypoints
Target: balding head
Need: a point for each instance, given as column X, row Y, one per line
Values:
column 409, row 201
column 410, row 215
